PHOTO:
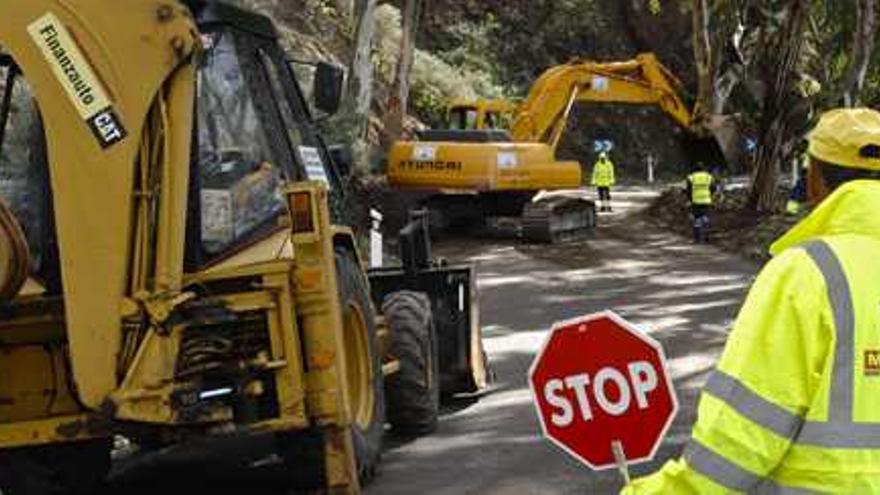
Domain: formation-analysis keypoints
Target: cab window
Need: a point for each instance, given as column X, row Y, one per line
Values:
column 240, row 174
column 24, row 183
column 463, row 118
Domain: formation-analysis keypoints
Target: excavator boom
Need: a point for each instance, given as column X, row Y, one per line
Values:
column 642, row 81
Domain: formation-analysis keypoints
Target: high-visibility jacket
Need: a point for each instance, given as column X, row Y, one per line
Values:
column 794, row 405
column 701, row 188
column 603, row 173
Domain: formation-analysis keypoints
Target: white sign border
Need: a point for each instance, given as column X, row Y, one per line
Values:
column 609, row 314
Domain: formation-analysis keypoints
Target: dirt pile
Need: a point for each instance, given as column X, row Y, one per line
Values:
column 734, row 227
column 373, row 191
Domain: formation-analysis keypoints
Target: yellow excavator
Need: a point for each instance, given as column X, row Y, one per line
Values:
column 174, row 268
column 476, row 169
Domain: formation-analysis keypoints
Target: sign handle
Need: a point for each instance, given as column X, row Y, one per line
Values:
column 620, row 459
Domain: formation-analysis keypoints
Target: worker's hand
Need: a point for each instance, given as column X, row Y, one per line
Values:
column 674, row 478
column 644, row 486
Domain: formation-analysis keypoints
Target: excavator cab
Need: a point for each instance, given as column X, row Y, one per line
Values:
column 463, row 117
column 479, row 121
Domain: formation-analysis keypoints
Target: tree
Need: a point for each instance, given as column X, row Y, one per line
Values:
column 360, row 82
column 862, row 46
column 785, row 99
column 705, row 104
column 398, row 99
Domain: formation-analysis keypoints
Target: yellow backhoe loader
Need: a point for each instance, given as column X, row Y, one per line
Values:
column 476, row 169
column 173, row 267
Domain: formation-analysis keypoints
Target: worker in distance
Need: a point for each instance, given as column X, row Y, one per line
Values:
column 603, row 179
column 701, row 188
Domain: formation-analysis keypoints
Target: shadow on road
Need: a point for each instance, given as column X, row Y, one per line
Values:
column 683, row 295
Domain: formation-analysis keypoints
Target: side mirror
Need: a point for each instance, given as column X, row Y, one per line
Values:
column 342, row 157
column 329, row 81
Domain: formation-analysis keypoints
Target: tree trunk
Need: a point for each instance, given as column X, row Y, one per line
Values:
column 730, row 65
column 705, row 104
column 785, row 111
column 863, row 45
column 398, row 99
column 360, row 82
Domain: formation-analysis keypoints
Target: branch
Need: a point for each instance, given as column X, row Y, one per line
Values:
column 863, row 45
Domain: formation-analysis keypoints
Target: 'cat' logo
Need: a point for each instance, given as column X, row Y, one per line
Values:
column 78, row 78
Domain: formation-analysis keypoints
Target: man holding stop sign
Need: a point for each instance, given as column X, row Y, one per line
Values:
column 794, row 404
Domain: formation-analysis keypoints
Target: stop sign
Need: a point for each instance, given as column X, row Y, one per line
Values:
column 598, row 380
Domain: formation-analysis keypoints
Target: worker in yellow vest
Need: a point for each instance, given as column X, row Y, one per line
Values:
column 604, row 180
column 794, row 404
column 701, row 189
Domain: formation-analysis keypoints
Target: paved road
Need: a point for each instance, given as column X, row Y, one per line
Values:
column 687, row 296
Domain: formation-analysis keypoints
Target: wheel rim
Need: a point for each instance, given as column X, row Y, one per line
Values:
column 358, row 367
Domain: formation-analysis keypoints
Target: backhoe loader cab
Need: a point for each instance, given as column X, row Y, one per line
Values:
column 254, row 132
column 173, row 266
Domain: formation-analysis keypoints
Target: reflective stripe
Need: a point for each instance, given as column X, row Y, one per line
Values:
column 754, row 407
column 840, row 435
column 701, row 188
column 839, row 431
column 770, row 487
column 720, row 470
column 727, row 474
column 840, row 403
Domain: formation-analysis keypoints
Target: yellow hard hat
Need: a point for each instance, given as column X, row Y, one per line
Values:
column 848, row 138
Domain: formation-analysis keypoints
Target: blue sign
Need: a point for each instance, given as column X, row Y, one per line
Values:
column 601, row 145
column 751, row 145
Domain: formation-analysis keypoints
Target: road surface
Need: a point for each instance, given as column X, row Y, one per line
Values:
column 685, row 295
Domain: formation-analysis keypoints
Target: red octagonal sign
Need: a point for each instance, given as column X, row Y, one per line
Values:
column 599, row 380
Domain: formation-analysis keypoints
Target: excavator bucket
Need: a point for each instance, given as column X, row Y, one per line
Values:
column 725, row 139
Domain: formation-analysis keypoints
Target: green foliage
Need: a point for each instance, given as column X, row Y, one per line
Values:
column 471, row 45
column 551, row 32
column 436, row 82
column 325, row 8
column 435, row 79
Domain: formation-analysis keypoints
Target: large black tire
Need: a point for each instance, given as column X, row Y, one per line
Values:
column 63, row 469
column 354, row 291
column 413, row 393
